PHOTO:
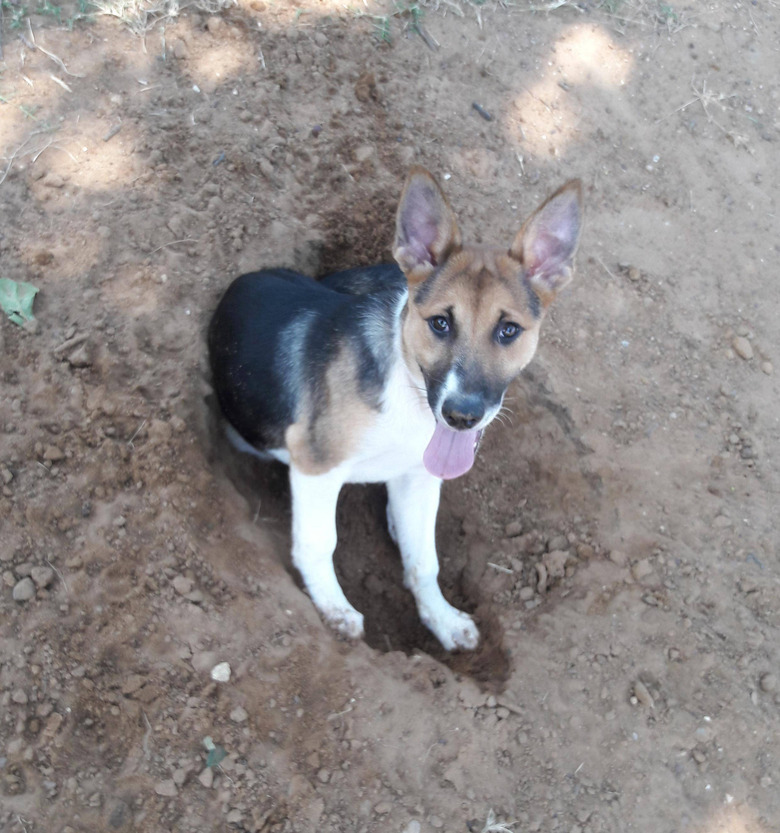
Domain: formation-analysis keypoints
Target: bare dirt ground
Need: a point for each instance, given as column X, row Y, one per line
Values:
column 617, row 541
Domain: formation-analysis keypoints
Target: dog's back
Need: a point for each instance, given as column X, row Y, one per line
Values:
column 275, row 333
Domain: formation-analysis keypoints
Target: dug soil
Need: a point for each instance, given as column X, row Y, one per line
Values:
column 617, row 539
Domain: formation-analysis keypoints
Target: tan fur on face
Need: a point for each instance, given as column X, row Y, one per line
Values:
column 327, row 432
column 479, row 288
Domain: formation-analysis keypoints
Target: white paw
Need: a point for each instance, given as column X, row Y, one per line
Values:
column 347, row 621
column 453, row 628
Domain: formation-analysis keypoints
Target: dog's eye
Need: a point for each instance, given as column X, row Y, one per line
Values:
column 439, row 324
column 508, row 332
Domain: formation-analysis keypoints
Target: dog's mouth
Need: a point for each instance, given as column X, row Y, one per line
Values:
column 451, row 453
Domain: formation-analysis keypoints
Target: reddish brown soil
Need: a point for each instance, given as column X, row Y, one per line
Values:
column 635, row 686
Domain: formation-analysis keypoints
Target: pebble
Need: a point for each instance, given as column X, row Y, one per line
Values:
column 642, row 695
column 526, row 593
column 19, row 697
column 742, row 347
column 24, row 590
column 53, row 181
column 768, row 682
column 53, row 454
column 555, row 562
column 239, row 714
column 436, row 822
column 132, row 684
column 182, row 585
column 220, row 673
column 166, row 788
column 767, row 368
column 383, row 808
column 618, row 557
column 642, row 569
column 323, row 776
column 180, row 777
column 206, row 777
column 412, row 827
column 513, row 529
column 80, row 357
column 42, row 576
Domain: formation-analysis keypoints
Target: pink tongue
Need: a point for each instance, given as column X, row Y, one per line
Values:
column 450, row 453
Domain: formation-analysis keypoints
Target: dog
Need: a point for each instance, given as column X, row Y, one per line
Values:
column 388, row 373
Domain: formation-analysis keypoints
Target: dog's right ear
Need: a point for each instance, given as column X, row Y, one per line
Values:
column 426, row 232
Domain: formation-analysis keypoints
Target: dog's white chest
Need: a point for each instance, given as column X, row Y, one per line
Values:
column 395, row 443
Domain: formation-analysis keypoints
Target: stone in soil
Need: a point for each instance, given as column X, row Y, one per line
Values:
column 24, row 590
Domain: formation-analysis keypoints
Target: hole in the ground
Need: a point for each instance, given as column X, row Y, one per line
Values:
column 369, row 568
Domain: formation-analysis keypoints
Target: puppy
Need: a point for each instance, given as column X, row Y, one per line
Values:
column 388, row 373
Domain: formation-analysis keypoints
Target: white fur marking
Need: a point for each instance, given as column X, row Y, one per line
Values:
column 314, row 540
column 413, row 500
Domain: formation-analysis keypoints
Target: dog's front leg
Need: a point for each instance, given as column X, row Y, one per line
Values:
column 413, row 500
column 314, row 500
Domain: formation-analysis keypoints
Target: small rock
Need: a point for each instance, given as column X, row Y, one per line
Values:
column 166, row 788
column 239, row 714
column 42, row 576
column 768, row 682
column 323, row 776
column 742, row 347
column 513, row 529
column 182, row 585
column 436, row 822
column 541, row 575
column 555, row 562
column 526, row 593
column 412, row 827
column 24, row 590
column 634, row 274
column 559, row 542
column 80, row 357
column 53, row 725
column 53, row 454
column 206, row 777
column 642, row 569
column 53, row 181
column 180, row 777
column 767, row 368
column 220, row 673
column 234, row 816
column 585, row 551
column 618, row 557
column 132, row 684
column 383, row 808
column 703, row 734
column 179, row 50
column 19, row 697
column 642, row 695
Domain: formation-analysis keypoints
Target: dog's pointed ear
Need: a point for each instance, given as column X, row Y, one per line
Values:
column 426, row 232
column 547, row 242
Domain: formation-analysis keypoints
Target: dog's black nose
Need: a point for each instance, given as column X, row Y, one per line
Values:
column 463, row 412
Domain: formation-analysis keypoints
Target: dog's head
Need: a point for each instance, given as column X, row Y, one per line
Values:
column 473, row 316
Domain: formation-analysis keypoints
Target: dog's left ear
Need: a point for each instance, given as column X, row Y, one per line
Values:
column 426, row 232
column 547, row 242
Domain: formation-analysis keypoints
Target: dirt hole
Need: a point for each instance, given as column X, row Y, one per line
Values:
column 369, row 568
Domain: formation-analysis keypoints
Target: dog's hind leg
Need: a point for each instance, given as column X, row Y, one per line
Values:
column 413, row 500
column 314, row 500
